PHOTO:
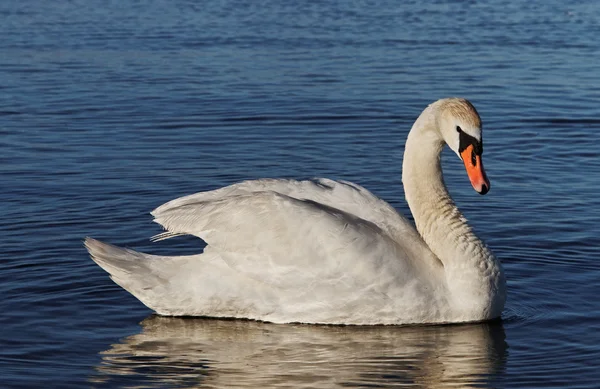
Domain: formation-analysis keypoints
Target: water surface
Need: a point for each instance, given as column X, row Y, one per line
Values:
column 109, row 109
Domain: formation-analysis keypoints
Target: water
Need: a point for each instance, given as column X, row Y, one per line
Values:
column 109, row 109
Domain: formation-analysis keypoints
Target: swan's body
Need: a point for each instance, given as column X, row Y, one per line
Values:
column 325, row 251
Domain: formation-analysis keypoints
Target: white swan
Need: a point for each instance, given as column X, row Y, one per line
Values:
column 328, row 251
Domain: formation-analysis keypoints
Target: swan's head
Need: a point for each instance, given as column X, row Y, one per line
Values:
column 460, row 127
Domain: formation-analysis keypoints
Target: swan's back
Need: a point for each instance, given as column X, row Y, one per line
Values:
column 341, row 195
column 279, row 250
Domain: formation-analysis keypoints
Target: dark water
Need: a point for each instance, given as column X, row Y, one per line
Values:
column 108, row 109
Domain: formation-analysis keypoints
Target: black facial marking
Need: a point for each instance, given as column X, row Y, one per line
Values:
column 458, row 129
column 466, row 140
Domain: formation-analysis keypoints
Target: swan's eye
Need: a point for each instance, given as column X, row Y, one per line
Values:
column 473, row 158
column 458, row 129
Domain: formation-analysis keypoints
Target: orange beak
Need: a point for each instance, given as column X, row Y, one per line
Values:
column 474, row 167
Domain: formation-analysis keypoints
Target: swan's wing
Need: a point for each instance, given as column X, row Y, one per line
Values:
column 290, row 243
column 342, row 195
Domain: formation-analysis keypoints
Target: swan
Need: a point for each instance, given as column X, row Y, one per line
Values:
column 328, row 252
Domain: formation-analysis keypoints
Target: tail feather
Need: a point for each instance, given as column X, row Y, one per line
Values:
column 117, row 261
column 164, row 284
column 195, row 285
column 129, row 269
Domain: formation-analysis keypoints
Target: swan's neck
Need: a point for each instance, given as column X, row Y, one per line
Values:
column 470, row 267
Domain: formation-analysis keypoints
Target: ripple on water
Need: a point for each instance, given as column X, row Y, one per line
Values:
column 110, row 109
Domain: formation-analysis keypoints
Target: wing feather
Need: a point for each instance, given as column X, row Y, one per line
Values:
column 287, row 242
column 342, row 195
column 328, row 242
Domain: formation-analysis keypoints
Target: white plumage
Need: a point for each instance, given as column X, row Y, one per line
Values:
column 324, row 251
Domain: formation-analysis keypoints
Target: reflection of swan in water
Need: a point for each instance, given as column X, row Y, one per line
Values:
column 189, row 353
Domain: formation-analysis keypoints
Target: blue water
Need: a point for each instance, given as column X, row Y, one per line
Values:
column 109, row 109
